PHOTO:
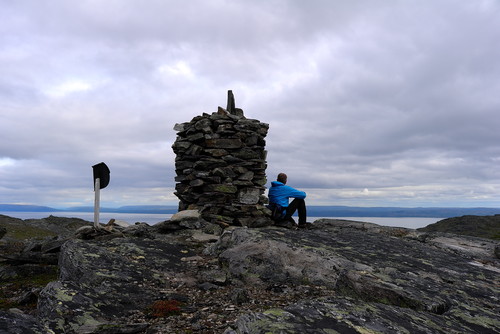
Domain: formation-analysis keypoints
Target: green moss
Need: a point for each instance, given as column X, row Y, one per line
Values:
column 19, row 232
column 275, row 312
column 64, row 295
column 479, row 320
column 330, row 331
column 9, row 287
column 105, row 275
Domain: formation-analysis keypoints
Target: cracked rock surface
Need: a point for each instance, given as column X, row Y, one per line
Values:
column 337, row 277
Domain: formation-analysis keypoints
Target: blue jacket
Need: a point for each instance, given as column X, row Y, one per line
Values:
column 279, row 193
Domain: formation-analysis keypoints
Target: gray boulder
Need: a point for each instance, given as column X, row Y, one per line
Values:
column 18, row 323
column 100, row 282
column 384, row 280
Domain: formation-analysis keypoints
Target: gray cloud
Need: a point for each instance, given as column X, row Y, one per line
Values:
column 369, row 102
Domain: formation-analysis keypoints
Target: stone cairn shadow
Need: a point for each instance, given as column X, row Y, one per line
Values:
column 221, row 167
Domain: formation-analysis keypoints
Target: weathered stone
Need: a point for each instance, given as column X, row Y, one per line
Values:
column 249, row 195
column 204, row 125
column 247, row 154
column 238, row 112
column 183, row 165
column 260, row 181
column 195, row 183
column 252, row 140
column 180, row 127
column 226, row 129
column 209, row 163
column 194, row 150
column 196, row 137
column 204, row 237
column 231, row 159
column 240, row 183
column 218, row 219
column 247, row 176
column 185, row 215
column 220, row 112
column 224, row 172
column 260, row 222
column 230, row 102
column 217, row 152
column 214, row 198
column 229, row 143
column 221, row 188
column 18, row 323
column 180, row 178
column 240, row 296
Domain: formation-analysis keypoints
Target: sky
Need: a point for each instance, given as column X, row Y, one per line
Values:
column 369, row 103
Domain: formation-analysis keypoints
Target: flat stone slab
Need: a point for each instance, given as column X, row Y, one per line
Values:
column 383, row 280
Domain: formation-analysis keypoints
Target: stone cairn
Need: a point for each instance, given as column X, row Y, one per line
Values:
column 221, row 167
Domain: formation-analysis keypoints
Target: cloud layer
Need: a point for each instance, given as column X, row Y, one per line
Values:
column 369, row 102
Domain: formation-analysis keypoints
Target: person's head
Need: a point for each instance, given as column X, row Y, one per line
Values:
column 282, row 178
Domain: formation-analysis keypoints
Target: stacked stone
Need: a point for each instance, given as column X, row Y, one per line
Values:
column 221, row 167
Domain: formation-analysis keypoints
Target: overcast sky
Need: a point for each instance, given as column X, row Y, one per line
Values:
column 370, row 103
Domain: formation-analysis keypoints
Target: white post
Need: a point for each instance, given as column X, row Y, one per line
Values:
column 97, row 190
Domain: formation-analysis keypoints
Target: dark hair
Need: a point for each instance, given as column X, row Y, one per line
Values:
column 282, row 178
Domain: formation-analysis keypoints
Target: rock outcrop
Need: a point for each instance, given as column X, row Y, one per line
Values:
column 382, row 280
column 189, row 275
column 477, row 226
column 221, row 167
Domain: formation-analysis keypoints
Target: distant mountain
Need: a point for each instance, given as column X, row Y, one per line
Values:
column 124, row 209
column 149, row 209
column 26, row 208
column 129, row 209
column 312, row 211
column 351, row 211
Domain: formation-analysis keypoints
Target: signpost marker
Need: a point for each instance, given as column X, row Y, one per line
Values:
column 101, row 180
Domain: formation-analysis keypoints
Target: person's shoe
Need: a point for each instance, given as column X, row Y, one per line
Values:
column 286, row 224
column 306, row 225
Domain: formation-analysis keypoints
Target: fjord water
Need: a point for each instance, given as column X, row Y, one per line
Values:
column 149, row 218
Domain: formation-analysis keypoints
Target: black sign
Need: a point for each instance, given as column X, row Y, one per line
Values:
column 101, row 172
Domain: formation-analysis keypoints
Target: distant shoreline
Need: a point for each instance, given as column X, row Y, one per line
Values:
column 151, row 219
column 313, row 211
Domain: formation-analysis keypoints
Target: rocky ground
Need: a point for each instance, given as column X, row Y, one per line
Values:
column 24, row 267
column 477, row 226
column 188, row 276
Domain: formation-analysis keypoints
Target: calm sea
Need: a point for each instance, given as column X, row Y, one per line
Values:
column 132, row 218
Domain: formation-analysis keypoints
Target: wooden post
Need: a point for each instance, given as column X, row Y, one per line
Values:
column 97, row 190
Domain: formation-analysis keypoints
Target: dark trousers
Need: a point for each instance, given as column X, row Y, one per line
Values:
column 297, row 205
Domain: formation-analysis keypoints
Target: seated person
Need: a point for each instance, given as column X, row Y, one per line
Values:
column 279, row 194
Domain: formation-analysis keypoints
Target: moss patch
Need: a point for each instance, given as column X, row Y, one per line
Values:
column 14, row 287
column 25, row 231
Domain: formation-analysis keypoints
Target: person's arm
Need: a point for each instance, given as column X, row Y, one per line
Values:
column 294, row 193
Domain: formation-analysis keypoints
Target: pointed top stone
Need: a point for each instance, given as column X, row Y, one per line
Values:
column 230, row 102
